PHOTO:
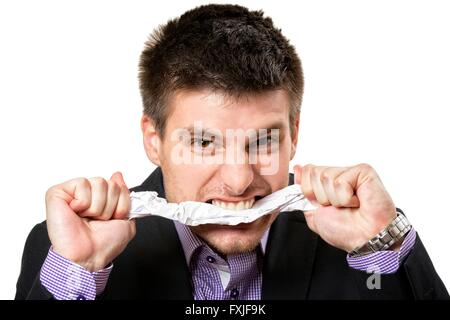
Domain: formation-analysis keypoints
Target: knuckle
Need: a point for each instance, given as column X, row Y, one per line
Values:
column 50, row 192
column 82, row 182
column 339, row 182
column 325, row 176
column 99, row 182
column 365, row 167
column 84, row 202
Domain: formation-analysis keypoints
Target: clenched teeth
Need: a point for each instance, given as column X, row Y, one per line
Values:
column 241, row 205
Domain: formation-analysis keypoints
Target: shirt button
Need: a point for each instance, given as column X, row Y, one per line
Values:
column 81, row 298
column 234, row 293
column 210, row 259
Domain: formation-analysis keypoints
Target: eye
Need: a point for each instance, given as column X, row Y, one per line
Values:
column 201, row 143
column 260, row 143
column 267, row 144
column 264, row 141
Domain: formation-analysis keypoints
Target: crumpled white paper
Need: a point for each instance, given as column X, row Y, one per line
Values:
column 194, row 213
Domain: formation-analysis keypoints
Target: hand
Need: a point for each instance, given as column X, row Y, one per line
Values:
column 85, row 220
column 353, row 204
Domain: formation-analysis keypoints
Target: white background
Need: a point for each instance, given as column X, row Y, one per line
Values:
column 377, row 91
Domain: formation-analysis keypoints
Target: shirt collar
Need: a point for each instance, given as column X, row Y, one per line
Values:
column 190, row 242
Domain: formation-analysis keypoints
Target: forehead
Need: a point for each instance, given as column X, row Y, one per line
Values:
column 218, row 110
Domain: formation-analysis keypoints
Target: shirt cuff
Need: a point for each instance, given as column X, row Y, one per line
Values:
column 384, row 262
column 66, row 280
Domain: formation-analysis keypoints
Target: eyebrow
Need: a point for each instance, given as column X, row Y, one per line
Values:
column 281, row 125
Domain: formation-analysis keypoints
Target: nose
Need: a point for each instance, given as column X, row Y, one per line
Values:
column 237, row 177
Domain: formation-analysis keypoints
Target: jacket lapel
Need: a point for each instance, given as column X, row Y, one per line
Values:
column 174, row 279
column 289, row 258
column 165, row 261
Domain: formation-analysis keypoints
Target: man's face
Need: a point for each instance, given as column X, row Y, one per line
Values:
column 224, row 151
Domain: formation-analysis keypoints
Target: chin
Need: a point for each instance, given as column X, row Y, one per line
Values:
column 240, row 238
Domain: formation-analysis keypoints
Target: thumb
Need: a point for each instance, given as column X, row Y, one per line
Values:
column 118, row 178
column 309, row 216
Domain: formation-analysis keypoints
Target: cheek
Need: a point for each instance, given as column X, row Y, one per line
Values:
column 187, row 179
column 275, row 164
column 278, row 173
column 184, row 181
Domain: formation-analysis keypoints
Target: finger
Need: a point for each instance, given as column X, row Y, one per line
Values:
column 80, row 191
column 309, row 217
column 298, row 174
column 132, row 228
column 111, row 200
column 345, row 193
column 99, row 191
column 306, row 184
column 123, row 204
column 347, row 184
column 118, row 178
column 317, row 186
column 333, row 191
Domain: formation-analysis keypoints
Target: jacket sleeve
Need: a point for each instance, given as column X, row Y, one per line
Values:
column 424, row 280
column 415, row 279
column 36, row 248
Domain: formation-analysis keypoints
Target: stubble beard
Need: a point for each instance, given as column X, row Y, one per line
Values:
column 229, row 240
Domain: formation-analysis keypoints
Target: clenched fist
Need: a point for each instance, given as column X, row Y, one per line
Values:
column 86, row 220
column 353, row 204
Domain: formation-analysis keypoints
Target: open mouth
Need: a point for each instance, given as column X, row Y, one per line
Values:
column 234, row 205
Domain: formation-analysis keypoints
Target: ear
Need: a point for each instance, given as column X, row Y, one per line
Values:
column 152, row 141
column 294, row 136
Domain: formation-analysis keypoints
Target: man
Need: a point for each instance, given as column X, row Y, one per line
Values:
column 206, row 77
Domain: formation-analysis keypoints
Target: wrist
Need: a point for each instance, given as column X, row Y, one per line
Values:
column 90, row 264
column 390, row 238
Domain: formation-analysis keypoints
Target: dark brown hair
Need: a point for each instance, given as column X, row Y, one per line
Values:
column 219, row 47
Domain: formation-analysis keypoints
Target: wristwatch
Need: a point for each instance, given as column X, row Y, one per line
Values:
column 390, row 235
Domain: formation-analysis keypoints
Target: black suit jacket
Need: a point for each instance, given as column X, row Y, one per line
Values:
column 297, row 265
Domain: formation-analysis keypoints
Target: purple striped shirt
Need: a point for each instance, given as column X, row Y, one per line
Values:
column 213, row 277
column 66, row 280
column 236, row 277
column 384, row 262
